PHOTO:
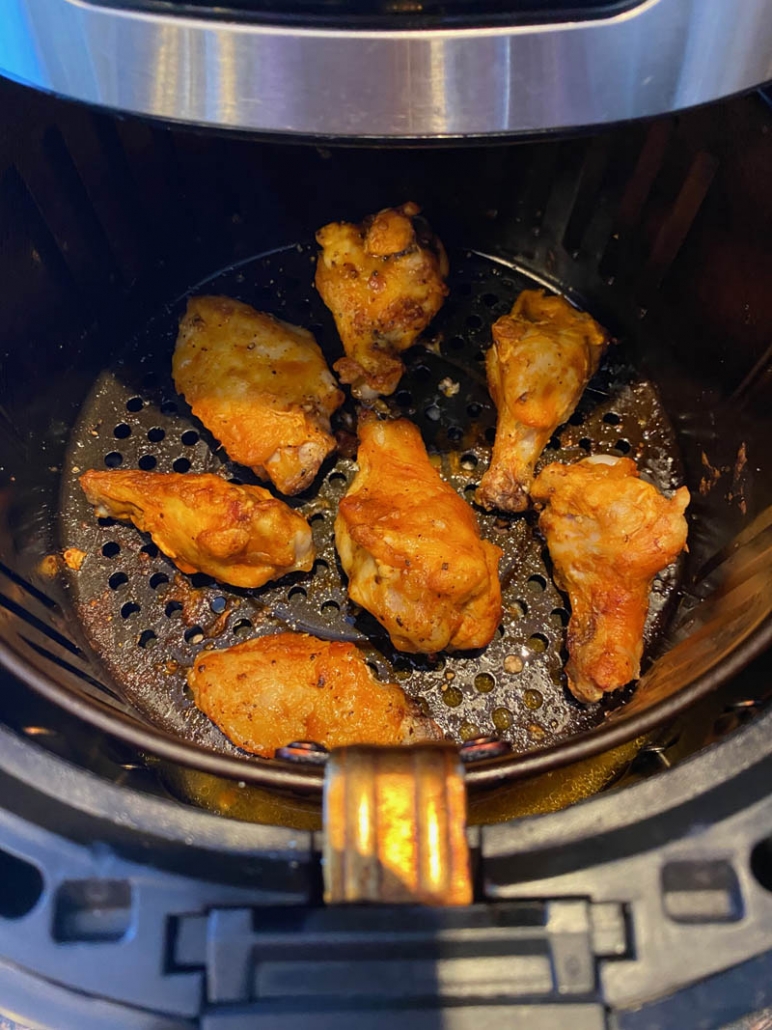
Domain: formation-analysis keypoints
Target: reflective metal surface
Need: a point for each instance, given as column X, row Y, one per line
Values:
column 660, row 56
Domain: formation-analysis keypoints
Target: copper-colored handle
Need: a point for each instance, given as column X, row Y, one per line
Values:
column 395, row 826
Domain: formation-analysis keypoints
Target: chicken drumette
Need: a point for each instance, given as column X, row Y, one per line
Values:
column 384, row 281
column 268, row 692
column 411, row 547
column 260, row 385
column 241, row 535
column 609, row 533
column 542, row 356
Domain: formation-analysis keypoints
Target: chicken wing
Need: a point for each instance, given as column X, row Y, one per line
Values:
column 542, row 357
column 384, row 281
column 609, row 533
column 411, row 547
column 269, row 692
column 241, row 535
column 260, row 385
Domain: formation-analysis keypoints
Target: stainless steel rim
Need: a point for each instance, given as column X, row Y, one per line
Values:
column 662, row 55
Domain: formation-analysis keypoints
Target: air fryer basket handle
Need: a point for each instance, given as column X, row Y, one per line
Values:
column 395, row 826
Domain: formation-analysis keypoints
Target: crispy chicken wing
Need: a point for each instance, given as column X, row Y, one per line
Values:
column 542, row 357
column 269, row 692
column 260, row 385
column 411, row 547
column 239, row 534
column 384, row 281
column 609, row 533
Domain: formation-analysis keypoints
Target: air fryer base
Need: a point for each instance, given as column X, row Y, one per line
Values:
column 648, row 907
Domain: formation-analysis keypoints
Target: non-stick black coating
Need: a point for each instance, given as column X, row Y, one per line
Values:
column 146, row 621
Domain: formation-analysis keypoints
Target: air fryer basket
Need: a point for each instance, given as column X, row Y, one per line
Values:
column 659, row 230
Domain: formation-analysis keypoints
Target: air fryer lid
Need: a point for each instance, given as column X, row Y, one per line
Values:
column 353, row 69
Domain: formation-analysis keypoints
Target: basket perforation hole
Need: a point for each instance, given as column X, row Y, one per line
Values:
column 474, row 410
column 576, row 419
column 320, row 565
column 181, row 465
column 336, row 479
column 113, row 459
column 490, row 434
column 129, row 609
column 317, row 517
column 457, row 343
column 218, row 605
column 484, row 682
column 135, row 404
column 611, row 418
column 297, row 592
column 147, row 462
column 559, row 615
column 330, row 607
column 537, row 643
column 194, row 635
column 455, row 434
column 158, row 579
column 117, row 580
column 469, row 462
column 151, row 550
column 490, row 300
column 623, row 446
column 536, row 584
column 404, row 398
column 111, row 549
column 121, row 431
column 172, row 609
column 156, row 434
column 242, row 628
column 189, row 438
column 474, row 321
column 586, row 443
column 147, row 639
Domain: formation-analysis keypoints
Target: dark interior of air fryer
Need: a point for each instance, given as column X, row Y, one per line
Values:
column 659, row 230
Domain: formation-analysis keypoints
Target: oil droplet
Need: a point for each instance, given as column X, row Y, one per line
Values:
column 452, row 697
column 533, row 699
column 537, row 731
column 484, row 682
column 502, row 719
column 468, row 731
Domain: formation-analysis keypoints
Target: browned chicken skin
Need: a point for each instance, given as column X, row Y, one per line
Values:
column 542, row 357
column 268, row 692
column 260, row 385
column 609, row 533
column 411, row 547
column 384, row 281
column 241, row 535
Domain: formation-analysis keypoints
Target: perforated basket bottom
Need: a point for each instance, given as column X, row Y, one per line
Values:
column 146, row 621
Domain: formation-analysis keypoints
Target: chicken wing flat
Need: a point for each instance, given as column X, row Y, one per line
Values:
column 383, row 281
column 609, row 533
column 542, row 357
column 260, row 385
column 269, row 692
column 411, row 547
column 241, row 535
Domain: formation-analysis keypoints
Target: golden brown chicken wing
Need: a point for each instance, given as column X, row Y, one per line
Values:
column 260, row 385
column 411, row 547
column 609, row 533
column 542, row 357
column 239, row 534
column 384, row 281
column 269, row 692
